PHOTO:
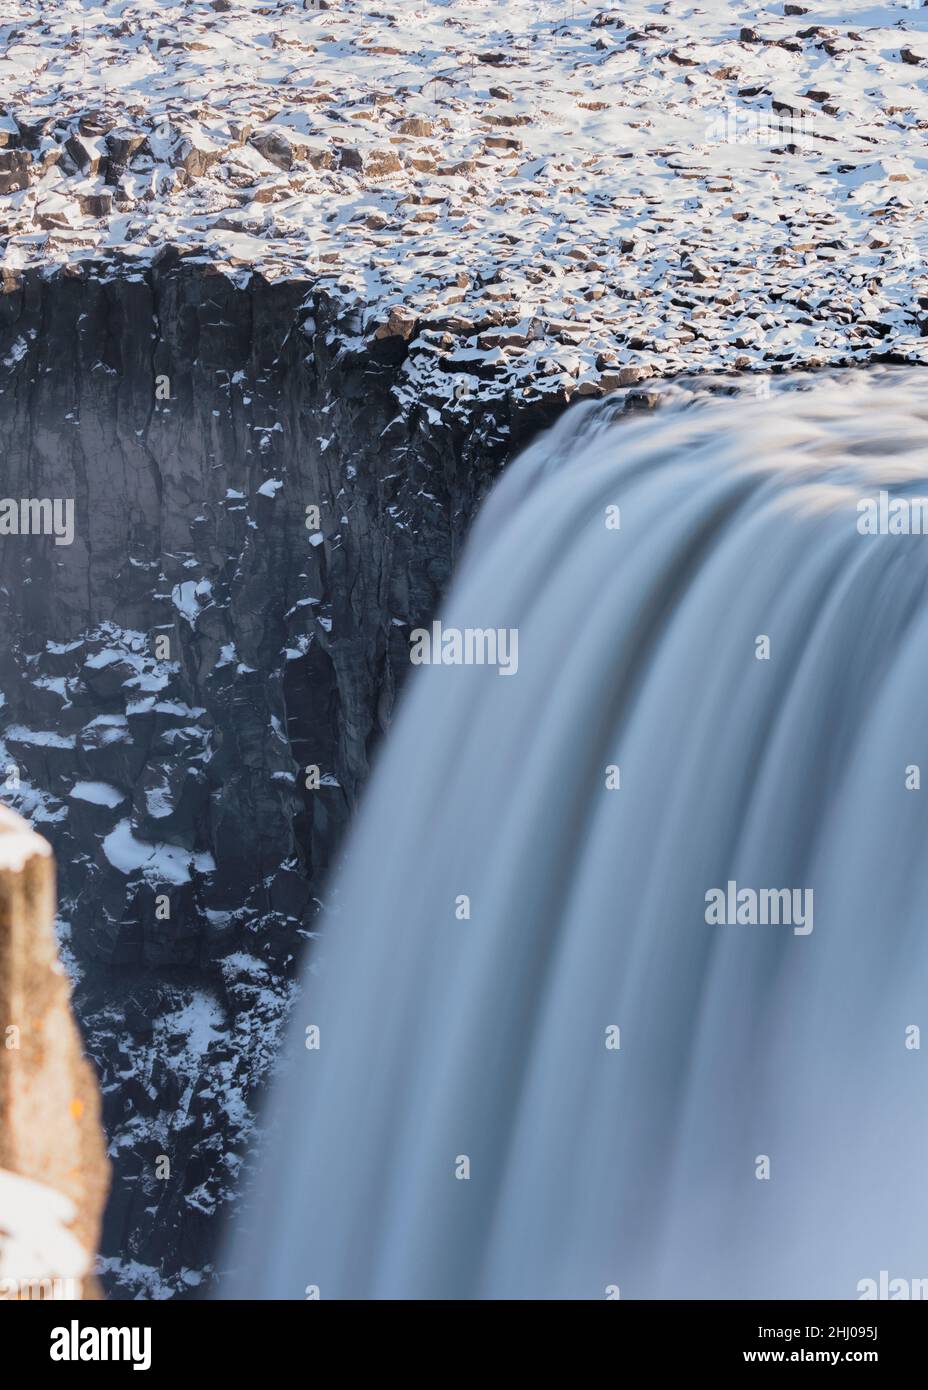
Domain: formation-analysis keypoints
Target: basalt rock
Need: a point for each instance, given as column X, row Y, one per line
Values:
column 265, row 505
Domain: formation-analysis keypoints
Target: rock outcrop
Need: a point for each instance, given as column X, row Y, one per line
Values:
column 195, row 685
column 531, row 186
column 53, row 1169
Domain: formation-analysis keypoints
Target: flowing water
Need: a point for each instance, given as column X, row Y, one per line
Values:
column 647, row 1101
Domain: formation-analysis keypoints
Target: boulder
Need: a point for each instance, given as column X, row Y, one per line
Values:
column 53, row 1170
column 15, row 166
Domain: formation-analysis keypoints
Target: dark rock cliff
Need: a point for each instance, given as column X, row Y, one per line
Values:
column 170, row 675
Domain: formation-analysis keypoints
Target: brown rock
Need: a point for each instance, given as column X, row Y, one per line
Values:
column 349, row 157
column 699, row 270
column 462, row 166
column 415, row 125
column 196, row 159
column 122, row 144
column 85, row 154
column 275, row 148
column 400, row 323
column 15, row 168
column 50, row 1130
column 94, row 123
column 625, row 376
column 380, row 162
column 98, row 204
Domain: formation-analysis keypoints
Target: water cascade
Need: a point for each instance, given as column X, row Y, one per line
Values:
column 620, row 989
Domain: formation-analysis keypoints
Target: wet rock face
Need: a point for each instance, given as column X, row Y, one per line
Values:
column 193, row 686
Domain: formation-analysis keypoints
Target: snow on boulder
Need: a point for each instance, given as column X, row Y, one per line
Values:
column 158, row 863
column 98, row 793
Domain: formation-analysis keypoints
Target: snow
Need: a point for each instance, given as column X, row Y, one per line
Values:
column 40, row 738
column 242, row 963
column 178, row 708
column 201, row 1020
column 157, row 802
column 108, row 656
column 148, row 1282
column 185, row 599
column 98, row 793
column 18, row 842
column 106, row 729
column 159, row 863
column 35, row 1243
column 641, row 182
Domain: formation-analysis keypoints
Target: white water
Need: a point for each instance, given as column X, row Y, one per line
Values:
column 486, row 1037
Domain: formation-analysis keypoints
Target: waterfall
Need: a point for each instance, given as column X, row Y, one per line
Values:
column 547, row 1066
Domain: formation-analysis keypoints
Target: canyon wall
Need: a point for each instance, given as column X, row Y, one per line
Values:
column 193, row 687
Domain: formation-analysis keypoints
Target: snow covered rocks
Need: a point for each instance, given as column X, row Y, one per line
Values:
column 368, row 252
column 53, row 1171
column 684, row 189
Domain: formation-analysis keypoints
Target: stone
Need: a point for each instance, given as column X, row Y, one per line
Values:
column 415, row 125
column 700, row 271
column 279, row 147
column 15, row 169
column 625, row 376
column 50, row 1132
column 98, row 204
column 122, row 143
column 398, row 327
column 194, row 156
column 349, row 157
column 378, row 163
column 85, row 152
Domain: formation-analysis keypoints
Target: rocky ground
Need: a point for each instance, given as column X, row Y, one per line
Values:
column 537, row 195
column 257, row 259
